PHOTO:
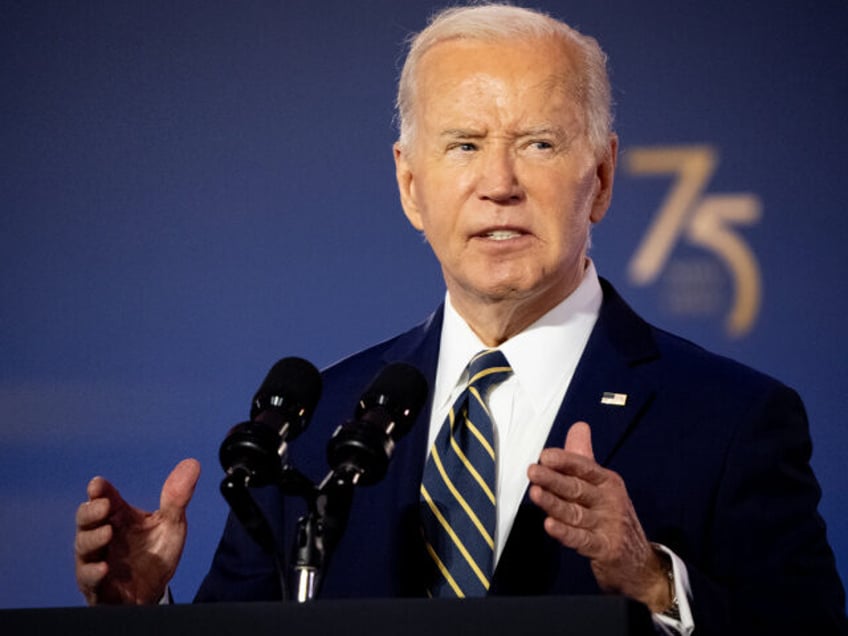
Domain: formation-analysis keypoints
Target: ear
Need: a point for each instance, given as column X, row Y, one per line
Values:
column 605, row 172
column 406, row 186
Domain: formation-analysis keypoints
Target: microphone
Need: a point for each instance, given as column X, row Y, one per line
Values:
column 359, row 450
column 358, row 453
column 280, row 411
column 252, row 452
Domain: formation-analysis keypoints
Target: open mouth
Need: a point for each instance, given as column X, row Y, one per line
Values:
column 502, row 235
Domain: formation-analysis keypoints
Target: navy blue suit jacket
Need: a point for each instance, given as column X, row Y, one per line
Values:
column 714, row 455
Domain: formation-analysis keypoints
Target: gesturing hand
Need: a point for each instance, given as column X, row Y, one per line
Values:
column 590, row 511
column 125, row 555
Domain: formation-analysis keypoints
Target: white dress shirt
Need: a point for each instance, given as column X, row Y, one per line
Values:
column 543, row 358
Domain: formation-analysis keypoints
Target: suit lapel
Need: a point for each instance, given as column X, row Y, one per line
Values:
column 608, row 391
column 420, row 348
column 620, row 343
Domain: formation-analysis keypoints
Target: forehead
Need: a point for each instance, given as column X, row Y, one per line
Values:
column 513, row 77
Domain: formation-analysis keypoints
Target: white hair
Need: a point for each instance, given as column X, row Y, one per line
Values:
column 497, row 21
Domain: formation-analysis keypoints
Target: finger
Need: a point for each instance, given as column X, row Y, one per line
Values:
column 179, row 488
column 89, row 544
column 99, row 488
column 569, row 463
column 568, row 513
column 91, row 575
column 579, row 440
column 567, row 487
column 94, row 489
column 585, row 542
column 93, row 513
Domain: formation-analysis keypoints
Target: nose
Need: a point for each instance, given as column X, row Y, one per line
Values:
column 498, row 180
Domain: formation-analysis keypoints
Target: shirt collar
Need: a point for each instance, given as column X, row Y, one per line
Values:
column 540, row 356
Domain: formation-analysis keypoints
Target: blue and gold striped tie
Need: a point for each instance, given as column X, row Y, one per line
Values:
column 458, row 487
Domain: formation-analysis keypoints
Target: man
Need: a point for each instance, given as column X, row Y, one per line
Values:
column 628, row 461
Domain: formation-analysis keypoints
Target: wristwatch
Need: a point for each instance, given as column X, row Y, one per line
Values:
column 673, row 609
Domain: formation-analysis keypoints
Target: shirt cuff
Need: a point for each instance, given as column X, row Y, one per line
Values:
column 167, row 599
column 685, row 625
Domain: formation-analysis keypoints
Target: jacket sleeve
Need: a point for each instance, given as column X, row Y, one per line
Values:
column 241, row 570
column 771, row 568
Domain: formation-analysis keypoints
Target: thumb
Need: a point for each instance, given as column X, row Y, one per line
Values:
column 178, row 488
column 579, row 440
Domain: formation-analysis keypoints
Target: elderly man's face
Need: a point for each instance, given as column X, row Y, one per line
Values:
column 500, row 174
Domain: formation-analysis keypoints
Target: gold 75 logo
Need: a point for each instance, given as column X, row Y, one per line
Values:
column 705, row 220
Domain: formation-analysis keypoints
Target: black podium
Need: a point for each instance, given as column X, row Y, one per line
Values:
column 566, row 616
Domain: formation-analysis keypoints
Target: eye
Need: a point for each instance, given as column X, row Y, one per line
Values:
column 541, row 145
column 461, row 147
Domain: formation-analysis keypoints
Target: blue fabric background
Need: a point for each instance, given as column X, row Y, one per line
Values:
column 192, row 190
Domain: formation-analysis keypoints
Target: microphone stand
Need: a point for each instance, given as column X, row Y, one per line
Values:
column 319, row 531
column 358, row 453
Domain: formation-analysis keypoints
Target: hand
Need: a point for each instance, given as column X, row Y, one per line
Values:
column 590, row 511
column 125, row 555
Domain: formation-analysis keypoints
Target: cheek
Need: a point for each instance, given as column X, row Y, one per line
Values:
column 439, row 203
column 577, row 202
column 568, row 216
column 586, row 189
column 439, row 230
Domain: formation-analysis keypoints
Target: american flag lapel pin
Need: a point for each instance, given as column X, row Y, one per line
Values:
column 614, row 399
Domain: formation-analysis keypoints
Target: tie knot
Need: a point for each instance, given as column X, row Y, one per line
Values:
column 487, row 369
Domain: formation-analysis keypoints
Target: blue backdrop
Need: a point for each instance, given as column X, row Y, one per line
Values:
column 192, row 190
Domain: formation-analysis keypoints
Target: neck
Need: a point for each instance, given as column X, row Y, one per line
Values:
column 496, row 321
column 497, row 318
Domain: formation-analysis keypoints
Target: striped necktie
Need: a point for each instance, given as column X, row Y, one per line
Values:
column 458, row 487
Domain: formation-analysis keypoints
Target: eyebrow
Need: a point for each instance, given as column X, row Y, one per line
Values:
column 462, row 133
column 468, row 133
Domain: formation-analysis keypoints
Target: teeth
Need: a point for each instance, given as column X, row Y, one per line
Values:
column 502, row 235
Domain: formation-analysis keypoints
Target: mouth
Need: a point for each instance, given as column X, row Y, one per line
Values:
column 501, row 234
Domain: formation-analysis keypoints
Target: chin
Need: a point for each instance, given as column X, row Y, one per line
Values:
column 505, row 291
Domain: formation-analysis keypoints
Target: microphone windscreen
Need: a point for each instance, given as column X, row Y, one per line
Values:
column 401, row 389
column 292, row 384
